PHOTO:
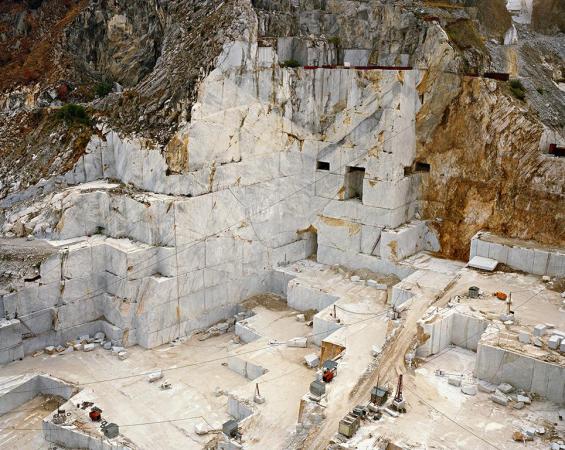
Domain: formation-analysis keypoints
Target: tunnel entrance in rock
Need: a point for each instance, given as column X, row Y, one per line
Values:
column 354, row 182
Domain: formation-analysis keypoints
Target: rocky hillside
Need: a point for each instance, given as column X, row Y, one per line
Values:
column 137, row 66
column 488, row 172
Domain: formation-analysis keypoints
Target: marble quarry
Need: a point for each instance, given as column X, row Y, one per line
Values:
column 308, row 212
column 270, row 179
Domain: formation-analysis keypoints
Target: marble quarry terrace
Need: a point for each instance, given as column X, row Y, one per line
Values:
column 285, row 291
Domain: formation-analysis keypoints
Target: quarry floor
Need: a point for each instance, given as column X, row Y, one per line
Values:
column 195, row 369
column 133, row 399
column 28, row 415
column 533, row 301
column 439, row 415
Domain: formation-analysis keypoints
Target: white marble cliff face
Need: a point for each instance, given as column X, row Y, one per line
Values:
column 190, row 246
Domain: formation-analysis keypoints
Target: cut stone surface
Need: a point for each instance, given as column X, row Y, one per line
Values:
column 480, row 262
column 505, row 388
column 202, row 428
column 298, row 342
column 157, row 375
column 540, row 329
column 312, row 360
column 485, row 386
column 524, row 337
column 469, row 389
column 554, row 341
column 304, row 182
column 500, row 399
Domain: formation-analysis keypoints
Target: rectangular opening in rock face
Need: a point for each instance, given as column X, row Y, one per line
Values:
column 354, row 182
column 422, row 167
column 321, row 165
column 556, row 151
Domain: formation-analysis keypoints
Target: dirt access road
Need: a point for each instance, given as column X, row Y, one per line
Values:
column 390, row 365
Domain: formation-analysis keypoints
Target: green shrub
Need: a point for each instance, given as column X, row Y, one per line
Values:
column 517, row 89
column 103, row 88
column 72, row 113
column 290, row 63
column 516, row 84
column 334, row 40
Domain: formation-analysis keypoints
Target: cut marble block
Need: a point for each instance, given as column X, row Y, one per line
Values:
column 480, row 262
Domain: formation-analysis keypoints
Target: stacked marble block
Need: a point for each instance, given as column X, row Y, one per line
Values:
column 390, row 197
column 126, row 160
column 303, row 295
column 127, row 289
column 70, row 298
column 379, row 227
column 538, row 261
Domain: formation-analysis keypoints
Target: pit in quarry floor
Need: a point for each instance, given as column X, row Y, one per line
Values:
column 204, row 376
column 441, row 416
